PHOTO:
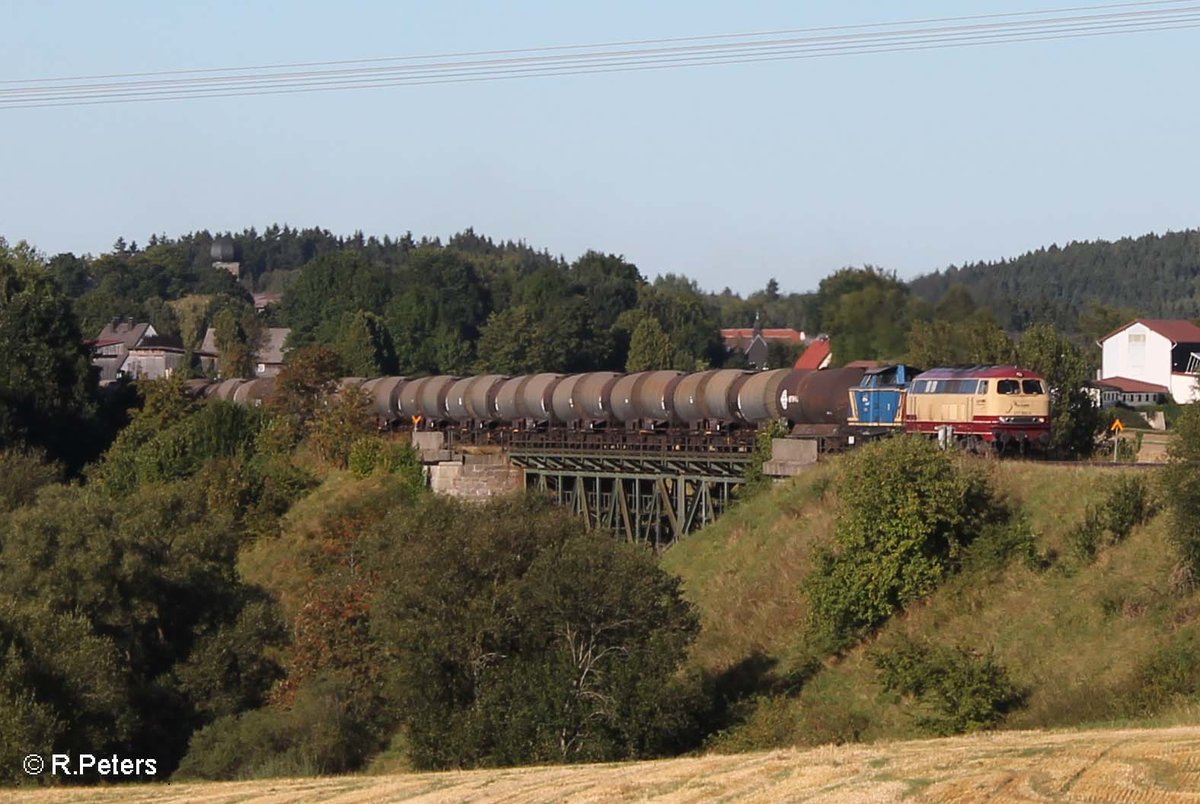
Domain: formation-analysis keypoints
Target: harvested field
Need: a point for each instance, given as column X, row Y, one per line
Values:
column 1105, row 765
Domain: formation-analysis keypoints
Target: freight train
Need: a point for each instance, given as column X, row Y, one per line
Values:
column 980, row 407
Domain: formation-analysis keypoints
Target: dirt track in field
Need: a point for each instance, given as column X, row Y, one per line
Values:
column 1112, row 766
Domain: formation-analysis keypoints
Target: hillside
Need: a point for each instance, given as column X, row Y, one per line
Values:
column 1084, row 641
column 1146, row 765
column 1153, row 275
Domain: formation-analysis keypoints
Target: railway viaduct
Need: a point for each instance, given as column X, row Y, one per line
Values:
column 642, row 486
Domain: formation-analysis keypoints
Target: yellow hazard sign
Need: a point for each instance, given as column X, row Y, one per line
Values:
column 1116, row 426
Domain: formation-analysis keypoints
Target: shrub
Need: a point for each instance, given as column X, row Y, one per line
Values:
column 1127, row 505
column 338, row 422
column 1170, row 671
column 957, row 689
column 755, row 480
column 1085, row 537
column 1001, row 542
column 404, row 461
column 906, row 512
column 314, row 736
column 366, row 454
column 1181, row 486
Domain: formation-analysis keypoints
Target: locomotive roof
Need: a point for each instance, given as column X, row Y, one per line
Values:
column 978, row 372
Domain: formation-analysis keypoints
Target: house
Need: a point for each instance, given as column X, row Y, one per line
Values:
column 1131, row 392
column 1159, row 353
column 268, row 355
column 754, row 342
column 154, row 356
column 818, row 355
column 264, row 300
column 136, row 350
column 1103, row 394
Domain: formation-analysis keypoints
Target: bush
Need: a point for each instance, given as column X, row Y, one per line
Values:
column 338, row 422
column 315, row 736
column 1127, row 505
column 755, row 480
column 1085, row 538
column 906, row 512
column 1181, row 486
column 957, row 690
column 372, row 454
column 1001, row 542
column 366, row 454
column 1171, row 671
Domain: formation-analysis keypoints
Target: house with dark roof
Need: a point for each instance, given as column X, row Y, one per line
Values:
column 125, row 348
column 1162, row 356
column 754, row 342
column 268, row 354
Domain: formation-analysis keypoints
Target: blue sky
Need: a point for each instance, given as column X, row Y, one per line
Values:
column 730, row 174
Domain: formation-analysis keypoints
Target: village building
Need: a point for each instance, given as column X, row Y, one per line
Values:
column 754, row 342
column 1152, row 359
column 125, row 348
column 818, row 355
column 268, row 354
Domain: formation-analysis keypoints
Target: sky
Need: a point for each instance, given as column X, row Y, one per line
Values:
column 729, row 174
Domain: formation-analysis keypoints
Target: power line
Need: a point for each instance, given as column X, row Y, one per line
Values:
column 713, row 37
column 634, row 55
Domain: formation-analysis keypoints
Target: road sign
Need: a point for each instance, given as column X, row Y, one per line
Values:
column 1116, row 426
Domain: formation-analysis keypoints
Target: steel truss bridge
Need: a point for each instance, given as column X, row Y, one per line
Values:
column 649, row 487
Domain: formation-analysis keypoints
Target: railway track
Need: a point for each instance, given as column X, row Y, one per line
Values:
column 1089, row 464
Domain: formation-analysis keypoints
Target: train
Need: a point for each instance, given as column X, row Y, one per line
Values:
column 979, row 407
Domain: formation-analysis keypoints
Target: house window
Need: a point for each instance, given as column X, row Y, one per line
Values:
column 1137, row 352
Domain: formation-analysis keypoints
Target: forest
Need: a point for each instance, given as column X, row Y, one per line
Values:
column 267, row 591
column 1152, row 275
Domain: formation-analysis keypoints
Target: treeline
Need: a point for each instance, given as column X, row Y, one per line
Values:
column 408, row 306
column 1152, row 275
column 473, row 304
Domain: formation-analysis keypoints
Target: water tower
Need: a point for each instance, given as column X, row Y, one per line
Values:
column 227, row 256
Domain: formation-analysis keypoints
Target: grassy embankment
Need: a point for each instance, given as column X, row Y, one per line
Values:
column 1078, row 637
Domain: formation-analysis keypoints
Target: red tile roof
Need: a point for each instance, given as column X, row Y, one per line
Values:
column 786, row 334
column 1175, row 330
column 1128, row 386
column 816, row 355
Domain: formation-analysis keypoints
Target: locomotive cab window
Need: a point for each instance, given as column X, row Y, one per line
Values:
column 983, row 386
column 1008, row 387
column 1032, row 386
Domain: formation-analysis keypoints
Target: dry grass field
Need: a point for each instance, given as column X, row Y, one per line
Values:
column 1112, row 766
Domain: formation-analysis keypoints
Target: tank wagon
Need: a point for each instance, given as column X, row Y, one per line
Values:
column 981, row 405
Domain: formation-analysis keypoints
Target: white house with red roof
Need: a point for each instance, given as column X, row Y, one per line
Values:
column 1150, row 357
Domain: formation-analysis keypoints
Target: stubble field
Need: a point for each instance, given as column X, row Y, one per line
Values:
column 1125, row 765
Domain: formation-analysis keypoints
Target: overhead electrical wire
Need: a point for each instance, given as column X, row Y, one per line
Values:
column 610, row 57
